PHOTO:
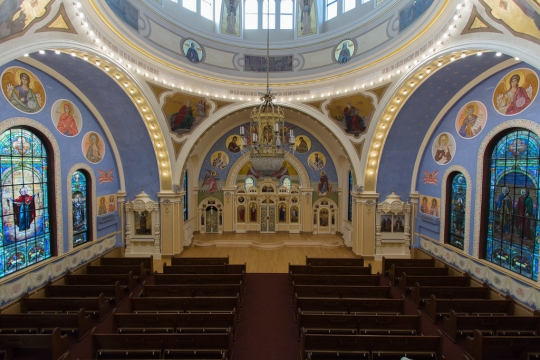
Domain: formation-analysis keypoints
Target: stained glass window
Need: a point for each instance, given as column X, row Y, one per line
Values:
column 286, row 181
column 457, row 206
column 512, row 225
column 25, row 237
column 349, row 210
column 185, row 197
column 251, row 14
column 79, row 208
column 286, row 16
column 269, row 14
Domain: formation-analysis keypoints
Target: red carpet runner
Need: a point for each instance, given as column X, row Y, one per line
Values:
column 266, row 330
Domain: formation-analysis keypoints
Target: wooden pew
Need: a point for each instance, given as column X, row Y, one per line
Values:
column 420, row 294
column 342, row 291
column 351, row 280
column 387, row 263
column 111, row 279
column 480, row 347
column 123, row 261
column 79, row 323
column 350, row 306
column 96, row 306
column 455, row 325
column 439, row 307
column 161, row 346
column 203, row 279
column 183, row 304
column 396, row 271
column 115, row 293
column 139, row 271
column 329, row 270
column 199, row 261
column 359, row 324
column 335, row 261
column 171, row 323
column 205, row 269
column 318, row 346
column 406, row 282
column 192, row 290
column 54, row 346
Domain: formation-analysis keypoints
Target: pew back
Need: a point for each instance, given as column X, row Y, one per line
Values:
column 52, row 346
column 387, row 263
column 148, row 262
column 335, row 261
column 96, row 279
column 199, row 261
column 420, row 294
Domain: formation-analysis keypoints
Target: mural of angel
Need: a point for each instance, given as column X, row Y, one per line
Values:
column 515, row 92
column 210, row 182
column 307, row 15
column 23, row 90
column 230, row 16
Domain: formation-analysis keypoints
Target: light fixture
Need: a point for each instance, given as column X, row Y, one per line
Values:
column 268, row 138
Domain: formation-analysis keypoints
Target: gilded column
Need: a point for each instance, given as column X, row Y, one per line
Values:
column 172, row 222
column 364, row 212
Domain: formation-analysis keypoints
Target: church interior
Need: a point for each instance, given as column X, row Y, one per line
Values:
column 268, row 132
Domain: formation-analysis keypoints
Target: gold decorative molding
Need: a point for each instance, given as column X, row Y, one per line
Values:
column 316, row 104
column 477, row 23
column 157, row 90
column 59, row 23
column 380, row 91
column 177, row 147
column 221, row 104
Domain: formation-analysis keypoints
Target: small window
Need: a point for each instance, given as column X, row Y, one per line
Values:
column 286, row 16
column 252, row 14
column 80, row 208
column 190, row 5
column 207, row 9
column 457, row 206
column 331, row 9
column 269, row 14
column 349, row 5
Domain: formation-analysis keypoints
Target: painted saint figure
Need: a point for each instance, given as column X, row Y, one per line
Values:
column 302, row 147
column 79, row 220
column 102, row 207
column 183, row 119
column 210, row 181
column 93, row 154
column 504, row 206
column 305, row 17
column 424, row 207
column 516, row 99
column 191, row 54
column 324, row 186
column 24, row 209
column 467, row 129
column 253, row 213
column 112, row 204
column 524, row 213
column 233, row 146
column 434, row 210
column 443, row 154
column 241, row 214
column 231, row 17
column 344, row 54
column 23, row 97
column 316, row 163
column 66, row 123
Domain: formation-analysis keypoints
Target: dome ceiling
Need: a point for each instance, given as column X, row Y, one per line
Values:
column 165, row 33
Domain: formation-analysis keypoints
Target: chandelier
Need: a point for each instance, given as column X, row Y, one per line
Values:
column 269, row 139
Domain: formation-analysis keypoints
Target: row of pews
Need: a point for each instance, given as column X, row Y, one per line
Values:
column 190, row 311
column 446, row 293
column 70, row 308
column 343, row 312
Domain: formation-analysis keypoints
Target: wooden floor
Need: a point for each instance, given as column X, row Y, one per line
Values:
column 267, row 253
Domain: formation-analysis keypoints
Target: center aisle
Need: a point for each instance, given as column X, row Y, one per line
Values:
column 266, row 330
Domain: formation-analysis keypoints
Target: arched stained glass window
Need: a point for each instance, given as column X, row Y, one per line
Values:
column 249, row 182
column 349, row 210
column 185, row 196
column 286, row 16
column 79, row 206
column 25, row 237
column 286, row 181
column 512, row 223
column 457, row 206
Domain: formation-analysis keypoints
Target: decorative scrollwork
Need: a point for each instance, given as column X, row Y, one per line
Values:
column 166, row 203
column 369, row 205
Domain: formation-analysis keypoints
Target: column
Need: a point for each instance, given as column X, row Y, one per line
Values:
column 364, row 213
column 229, row 211
column 172, row 222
